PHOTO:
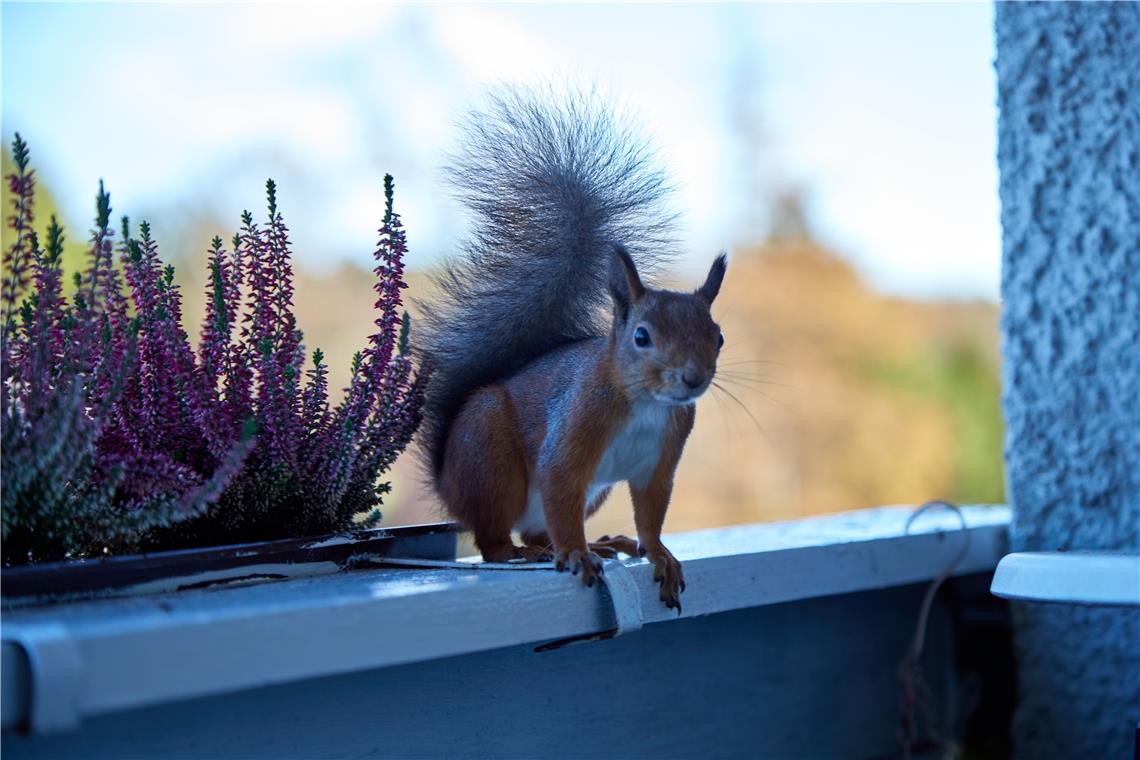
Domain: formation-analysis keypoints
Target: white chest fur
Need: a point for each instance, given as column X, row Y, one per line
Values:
column 633, row 453
column 631, row 456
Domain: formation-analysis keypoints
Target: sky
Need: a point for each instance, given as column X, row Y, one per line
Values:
column 881, row 116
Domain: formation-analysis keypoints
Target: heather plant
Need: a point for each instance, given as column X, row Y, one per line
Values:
column 118, row 435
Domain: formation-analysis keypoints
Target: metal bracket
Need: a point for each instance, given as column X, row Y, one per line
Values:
column 55, row 670
column 625, row 597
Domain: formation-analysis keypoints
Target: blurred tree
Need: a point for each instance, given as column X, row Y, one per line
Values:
column 789, row 222
column 749, row 156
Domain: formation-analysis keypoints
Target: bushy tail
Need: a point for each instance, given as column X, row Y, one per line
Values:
column 552, row 181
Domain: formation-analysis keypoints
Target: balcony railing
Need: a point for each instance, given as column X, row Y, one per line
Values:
column 790, row 637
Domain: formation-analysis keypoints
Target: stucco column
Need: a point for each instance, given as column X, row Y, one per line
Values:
column 1069, row 154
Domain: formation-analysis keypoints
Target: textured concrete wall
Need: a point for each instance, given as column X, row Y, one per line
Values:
column 1069, row 153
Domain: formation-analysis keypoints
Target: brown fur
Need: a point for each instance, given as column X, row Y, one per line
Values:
column 548, row 427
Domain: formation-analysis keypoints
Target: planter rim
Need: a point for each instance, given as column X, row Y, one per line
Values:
column 174, row 569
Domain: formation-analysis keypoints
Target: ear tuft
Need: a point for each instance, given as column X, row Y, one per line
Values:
column 709, row 290
column 625, row 282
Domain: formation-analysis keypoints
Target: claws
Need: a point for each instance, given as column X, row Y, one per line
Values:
column 577, row 561
column 667, row 572
column 666, row 569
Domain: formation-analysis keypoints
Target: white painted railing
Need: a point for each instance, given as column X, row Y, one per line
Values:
column 65, row 663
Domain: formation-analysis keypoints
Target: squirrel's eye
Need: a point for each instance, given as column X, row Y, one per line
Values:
column 719, row 341
column 641, row 337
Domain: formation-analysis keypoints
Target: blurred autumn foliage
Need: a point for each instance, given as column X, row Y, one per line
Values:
column 844, row 397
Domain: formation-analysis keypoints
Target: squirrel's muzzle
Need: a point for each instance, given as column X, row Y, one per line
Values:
column 693, row 379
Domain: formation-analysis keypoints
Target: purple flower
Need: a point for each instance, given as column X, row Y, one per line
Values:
column 118, row 435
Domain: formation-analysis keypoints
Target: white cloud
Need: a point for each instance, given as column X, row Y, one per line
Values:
column 286, row 30
column 489, row 46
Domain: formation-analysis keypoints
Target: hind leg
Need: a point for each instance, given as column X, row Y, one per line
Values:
column 483, row 481
column 537, row 547
column 610, row 546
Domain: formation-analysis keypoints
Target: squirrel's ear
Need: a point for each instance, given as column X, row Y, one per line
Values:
column 708, row 291
column 625, row 283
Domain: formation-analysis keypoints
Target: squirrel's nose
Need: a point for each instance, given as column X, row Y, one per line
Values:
column 693, row 379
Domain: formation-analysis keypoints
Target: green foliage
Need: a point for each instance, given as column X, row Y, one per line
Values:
column 960, row 379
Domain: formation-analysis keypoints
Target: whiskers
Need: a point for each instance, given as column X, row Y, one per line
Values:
column 747, row 373
column 717, row 387
column 733, row 382
column 737, row 376
column 747, row 377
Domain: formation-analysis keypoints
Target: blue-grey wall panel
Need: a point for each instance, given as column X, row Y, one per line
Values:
column 805, row 679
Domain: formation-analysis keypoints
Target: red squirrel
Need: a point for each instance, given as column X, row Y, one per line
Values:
column 554, row 371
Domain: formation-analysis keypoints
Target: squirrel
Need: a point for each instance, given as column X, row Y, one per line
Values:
column 554, row 372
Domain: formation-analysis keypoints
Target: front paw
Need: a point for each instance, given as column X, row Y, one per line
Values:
column 579, row 561
column 667, row 572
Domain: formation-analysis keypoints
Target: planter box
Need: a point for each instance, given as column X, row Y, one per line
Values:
column 236, row 564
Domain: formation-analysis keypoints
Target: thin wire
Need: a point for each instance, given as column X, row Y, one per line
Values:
column 911, row 681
